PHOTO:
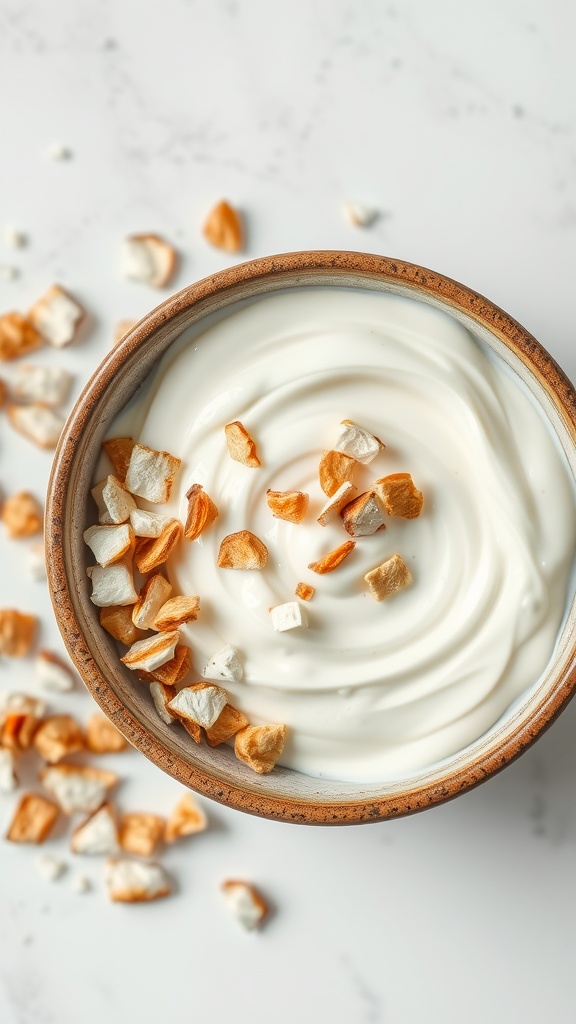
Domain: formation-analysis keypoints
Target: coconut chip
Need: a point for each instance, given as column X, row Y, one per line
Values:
column 304, row 591
column 33, row 819
column 386, row 579
column 357, row 442
column 151, row 473
column 58, row 736
column 162, row 695
column 399, row 495
column 175, row 612
column 364, row 515
column 333, row 559
column 37, row 422
column 151, row 598
column 150, row 653
column 109, row 543
column 152, row 552
column 112, row 585
column 141, row 833
column 17, row 632
column 260, row 746
column 186, row 819
column 201, row 512
column 114, row 501
column 18, row 336
column 247, row 905
column 77, row 787
column 289, row 505
column 117, row 620
column 335, row 469
column 225, row 664
column 102, row 737
column 336, row 503
column 223, row 227
column 98, row 835
column 131, row 881
column 57, row 316
column 287, row 616
column 228, row 723
column 119, row 450
column 148, row 259
column 200, row 704
column 53, row 673
column 148, row 524
column 22, row 515
column 241, row 446
column 49, row 385
column 173, row 671
column 242, row 550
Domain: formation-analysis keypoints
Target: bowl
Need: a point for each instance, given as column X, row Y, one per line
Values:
column 284, row 794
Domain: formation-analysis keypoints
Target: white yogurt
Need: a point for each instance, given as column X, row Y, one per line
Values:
column 370, row 691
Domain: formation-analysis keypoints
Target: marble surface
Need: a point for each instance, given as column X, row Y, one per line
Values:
column 459, row 124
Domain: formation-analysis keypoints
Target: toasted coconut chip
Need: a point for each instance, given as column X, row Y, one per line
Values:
column 148, row 524
column 39, row 424
column 32, row 820
column 119, row 450
column 98, row 835
column 51, row 868
column 364, row 515
column 223, row 227
column 53, row 673
column 241, row 447
column 151, row 598
column 388, row 578
column 17, row 336
column 130, row 881
column 58, row 316
column 399, row 495
column 242, row 550
column 49, row 385
column 114, row 502
column 8, row 778
column 288, row 616
column 21, row 703
column 174, row 671
column 18, row 729
column 358, row 215
column 225, row 664
column 176, row 612
column 77, row 787
column 22, row 515
column 112, row 585
column 36, row 562
column 336, row 503
column 58, row 736
column 150, row 653
column 122, row 328
column 17, row 632
column 245, row 902
column 151, row 473
column 186, row 819
column 228, row 723
column 260, row 746
column 141, row 833
column 193, row 729
column 152, row 552
column 289, row 505
column 109, row 543
column 357, row 442
column 117, row 620
column 332, row 560
column 102, row 737
column 200, row 703
column 148, row 259
column 334, row 470
column 201, row 512
column 162, row 695
column 304, row 591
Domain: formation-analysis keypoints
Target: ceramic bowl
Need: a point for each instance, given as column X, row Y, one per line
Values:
column 284, row 794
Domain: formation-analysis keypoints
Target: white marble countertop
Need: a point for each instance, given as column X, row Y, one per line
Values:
column 459, row 123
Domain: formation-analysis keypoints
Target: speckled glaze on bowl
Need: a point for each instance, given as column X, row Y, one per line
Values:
column 284, row 794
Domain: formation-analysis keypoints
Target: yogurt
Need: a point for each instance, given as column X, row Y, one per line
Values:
column 370, row 691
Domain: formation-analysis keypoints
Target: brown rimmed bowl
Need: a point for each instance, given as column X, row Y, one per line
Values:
column 285, row 795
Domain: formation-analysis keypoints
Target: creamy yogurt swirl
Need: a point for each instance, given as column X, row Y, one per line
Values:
column 370, row 691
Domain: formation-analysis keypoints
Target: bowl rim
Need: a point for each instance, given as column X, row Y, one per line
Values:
column 275, row 269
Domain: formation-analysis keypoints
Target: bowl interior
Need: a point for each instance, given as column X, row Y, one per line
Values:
column 284, row 794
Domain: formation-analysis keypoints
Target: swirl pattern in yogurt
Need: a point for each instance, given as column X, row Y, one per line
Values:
column 369, row 691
